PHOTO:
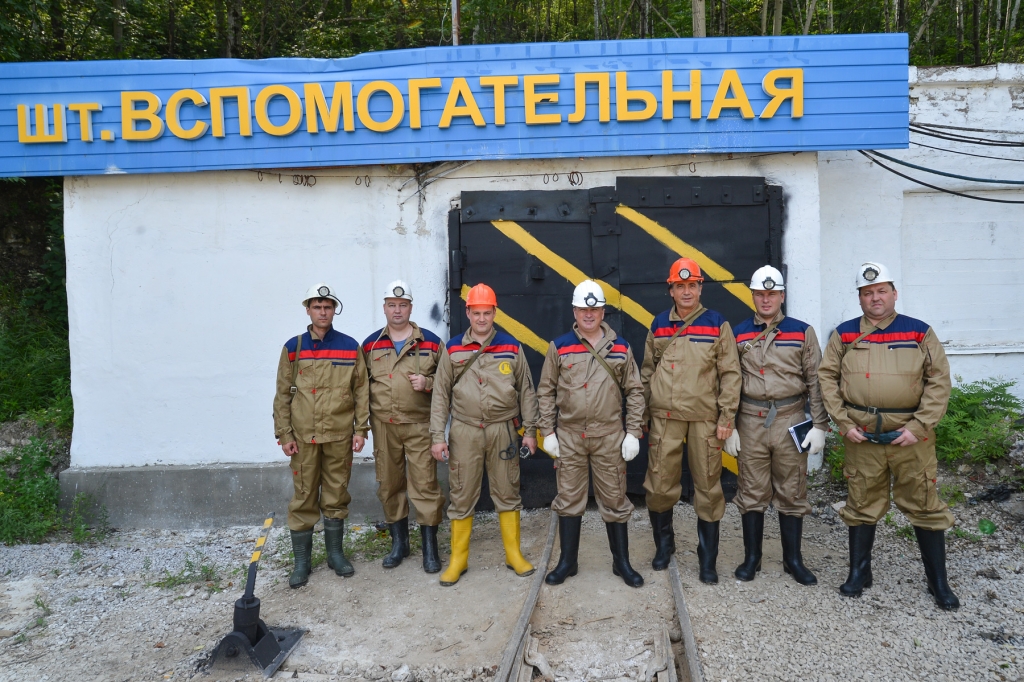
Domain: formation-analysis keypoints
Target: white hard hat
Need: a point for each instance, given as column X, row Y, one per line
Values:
column 321, row 290
column 399, row 289
column 873, row 273
column 767, row 278
column 588, row 294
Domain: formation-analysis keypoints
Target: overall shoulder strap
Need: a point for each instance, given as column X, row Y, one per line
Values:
column 295, row 362
column 604, row 363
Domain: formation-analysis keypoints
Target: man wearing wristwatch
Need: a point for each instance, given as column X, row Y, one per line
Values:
column 885, row 382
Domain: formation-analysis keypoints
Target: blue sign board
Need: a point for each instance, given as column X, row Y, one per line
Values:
column 526, row 101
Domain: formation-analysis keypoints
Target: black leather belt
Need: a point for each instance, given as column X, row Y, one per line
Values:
column 879, row 411
column 772, row 405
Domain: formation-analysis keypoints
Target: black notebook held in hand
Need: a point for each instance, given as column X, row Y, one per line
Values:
column 799, row 432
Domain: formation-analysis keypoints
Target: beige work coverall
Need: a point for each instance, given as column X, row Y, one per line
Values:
column 900, row 365
column 330, row 405
column 484, row 406
column 582, row 403
column 692, row 385
column 400, row 421
column 781, row 365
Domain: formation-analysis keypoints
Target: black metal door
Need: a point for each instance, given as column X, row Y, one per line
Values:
column 533, row 247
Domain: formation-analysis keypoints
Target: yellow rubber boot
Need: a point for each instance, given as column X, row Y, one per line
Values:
column 509, row 522
column 458, row 563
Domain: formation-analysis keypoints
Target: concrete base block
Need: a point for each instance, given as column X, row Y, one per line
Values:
column 208, row 496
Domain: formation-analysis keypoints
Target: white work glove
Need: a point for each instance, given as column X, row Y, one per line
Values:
column 551, row 445
column 630, row 447
column 815, row 441
column 732, row 443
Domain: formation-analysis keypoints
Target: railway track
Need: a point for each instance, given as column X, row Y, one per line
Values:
column 596, row 617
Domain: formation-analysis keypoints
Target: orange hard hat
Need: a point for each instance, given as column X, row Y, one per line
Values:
column 481, row 294
column 685, row 270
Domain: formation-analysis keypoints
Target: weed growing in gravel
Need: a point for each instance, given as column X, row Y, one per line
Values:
column 890, row 520
column 952, row 494
column 374, row 542
column 965, row 535
column 87, row 521
column 980, row 424
column 76, row 556
column 906, row 532
column 147, row 564
column 42, row 606
column 28, row 494
column 198, row 569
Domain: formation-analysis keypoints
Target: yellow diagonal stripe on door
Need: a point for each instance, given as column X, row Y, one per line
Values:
column 709, row 266
column 516, row 328
column 532, row 246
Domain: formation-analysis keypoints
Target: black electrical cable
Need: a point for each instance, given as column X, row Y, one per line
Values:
column 972, row 130
column 948, row 175
column 957, row 151
column 940, row 189
column 962, row 138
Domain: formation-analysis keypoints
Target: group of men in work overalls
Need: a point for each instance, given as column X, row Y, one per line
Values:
column 763, row 393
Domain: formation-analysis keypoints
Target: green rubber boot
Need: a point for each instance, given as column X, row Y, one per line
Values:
column 302, row 547
column 334, row 538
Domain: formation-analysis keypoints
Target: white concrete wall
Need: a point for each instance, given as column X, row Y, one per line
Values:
column 959, row 263
column 182, row 288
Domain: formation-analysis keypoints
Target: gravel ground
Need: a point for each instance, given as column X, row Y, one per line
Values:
column 774, row 629
column 92, row 612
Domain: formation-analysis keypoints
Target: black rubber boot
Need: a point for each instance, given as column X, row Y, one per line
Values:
column 431, row 561
column 862, row 538
column 302, row 548
column 569, row 542
column 399, row 543
column 664, row 539
column 753, row 534
column 618, row 540
column 791, row 529
column 707, row 550
column 334, row 538
column 933, row 553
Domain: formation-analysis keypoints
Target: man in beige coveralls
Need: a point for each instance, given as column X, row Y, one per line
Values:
column 885, row 381
column 587, row 374
column 484, row 384
column 691, row 378
column 779, row 356
column 321, row 409
column 401, row 359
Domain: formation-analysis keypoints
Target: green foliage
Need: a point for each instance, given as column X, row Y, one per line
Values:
column 28, row 494
column 906, row 532
column 198, row 570
column 35, row 365
column 986, row 527
column 980, row 424
column 87, row 521
column 952, row 494
column 197, row 29
column 835, row 454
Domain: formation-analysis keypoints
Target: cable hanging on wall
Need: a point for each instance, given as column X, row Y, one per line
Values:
column 963, row 153
column 948, row 175
column 954, row 137
column 936, row 187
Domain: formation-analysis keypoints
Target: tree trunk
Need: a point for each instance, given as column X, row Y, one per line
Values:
column 777, row 19
column 116, row 29
column 699, row 26
column 234, row 26
column 924, row 22
column 976, row 31
column 764, row 17
column 901, row 16
column 959, row 8
column 221, row 21
column 58, row 45
column 831, row 20
column 1012, row 25
column 170, row 29
column 597, row 21
column 810, row 16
